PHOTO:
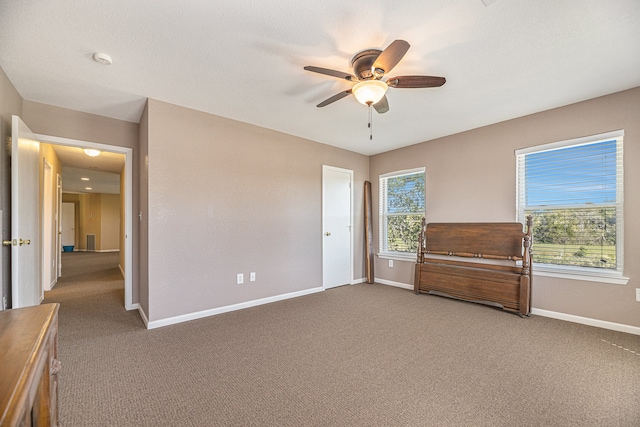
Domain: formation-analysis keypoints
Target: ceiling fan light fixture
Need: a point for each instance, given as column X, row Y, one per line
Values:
column 370, row 92
column 91, row 152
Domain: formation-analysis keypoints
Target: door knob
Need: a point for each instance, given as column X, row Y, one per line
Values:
column 16, row 242
column 327, row 234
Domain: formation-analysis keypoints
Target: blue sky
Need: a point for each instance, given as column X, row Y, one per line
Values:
column 574, row 175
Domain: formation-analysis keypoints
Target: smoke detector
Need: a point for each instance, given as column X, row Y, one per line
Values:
column 102, row 58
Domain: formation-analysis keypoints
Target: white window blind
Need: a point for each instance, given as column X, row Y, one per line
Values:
column 402, row 206
column 573, row 190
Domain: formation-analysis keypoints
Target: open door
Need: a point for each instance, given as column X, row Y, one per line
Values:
column 26, row 286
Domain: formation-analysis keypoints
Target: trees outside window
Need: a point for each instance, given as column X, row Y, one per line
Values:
column 402, row 206
column 573, row 190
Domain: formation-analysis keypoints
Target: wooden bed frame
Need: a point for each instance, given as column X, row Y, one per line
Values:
column 502, row 280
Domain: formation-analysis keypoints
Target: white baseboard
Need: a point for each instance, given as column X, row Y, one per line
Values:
column 121, row 270
column 555, row 315
column 142, row 314
column 212, row 312
column 356, row 281
column 587, row 321
column 392, row 283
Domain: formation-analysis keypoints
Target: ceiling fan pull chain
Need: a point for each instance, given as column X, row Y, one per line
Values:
column 370, row 124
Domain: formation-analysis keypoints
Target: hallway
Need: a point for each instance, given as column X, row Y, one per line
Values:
column 91, row 297
column 92, row 320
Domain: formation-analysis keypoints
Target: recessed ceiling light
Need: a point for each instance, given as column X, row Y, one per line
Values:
column 88, row 188
column 91, row 152
column 85, row 179
column 102, row 58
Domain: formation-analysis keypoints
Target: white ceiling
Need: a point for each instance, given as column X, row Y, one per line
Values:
column 244, row 59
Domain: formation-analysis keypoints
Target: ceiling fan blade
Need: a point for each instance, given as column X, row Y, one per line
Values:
column 382, row 106
column 390, row 57
column 333, row 73
column 416, row 81
column 334, row 98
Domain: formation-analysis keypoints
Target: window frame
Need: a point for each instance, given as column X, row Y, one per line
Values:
column 577, row 272
column 382, row 215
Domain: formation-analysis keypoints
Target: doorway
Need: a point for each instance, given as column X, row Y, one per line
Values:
column 127, row 208
column 337, row 224
column 68, row 224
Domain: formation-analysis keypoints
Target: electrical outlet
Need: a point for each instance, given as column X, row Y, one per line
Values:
column 252, row 276
column 391, row 263
column 638, row 294
column 240, row 279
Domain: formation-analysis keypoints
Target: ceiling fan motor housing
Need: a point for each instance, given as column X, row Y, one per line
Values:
column 362, row 64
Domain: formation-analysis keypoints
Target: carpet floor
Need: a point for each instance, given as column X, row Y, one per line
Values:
column 361, row 355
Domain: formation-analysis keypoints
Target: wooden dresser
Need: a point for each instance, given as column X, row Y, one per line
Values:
column 29, row 366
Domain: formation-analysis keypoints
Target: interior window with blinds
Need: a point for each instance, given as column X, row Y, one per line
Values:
column 402, row 206
column 573, row 190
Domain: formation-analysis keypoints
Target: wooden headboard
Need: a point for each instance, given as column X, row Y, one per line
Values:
column 504, row 284
column 492, row 240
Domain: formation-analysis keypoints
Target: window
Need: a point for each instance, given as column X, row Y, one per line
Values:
column 573, row 190
column 402, row 203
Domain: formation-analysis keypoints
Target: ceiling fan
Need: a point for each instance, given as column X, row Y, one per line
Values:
column 369, row 67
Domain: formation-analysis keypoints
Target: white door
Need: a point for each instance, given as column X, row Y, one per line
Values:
column 68, row 224
column 337, row 223
column 26, row 286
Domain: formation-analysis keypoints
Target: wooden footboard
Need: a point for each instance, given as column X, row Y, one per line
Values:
column 503, row 279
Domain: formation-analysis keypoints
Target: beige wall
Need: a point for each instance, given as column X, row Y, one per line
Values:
column 110, row 223
column 10, row 104
column 471, row 177
column 227, row 197
column 65, row 123
column 47, row 152
column 90, row 218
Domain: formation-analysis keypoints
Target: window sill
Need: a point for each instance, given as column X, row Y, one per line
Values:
column 398, row 256
column 571, row 274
